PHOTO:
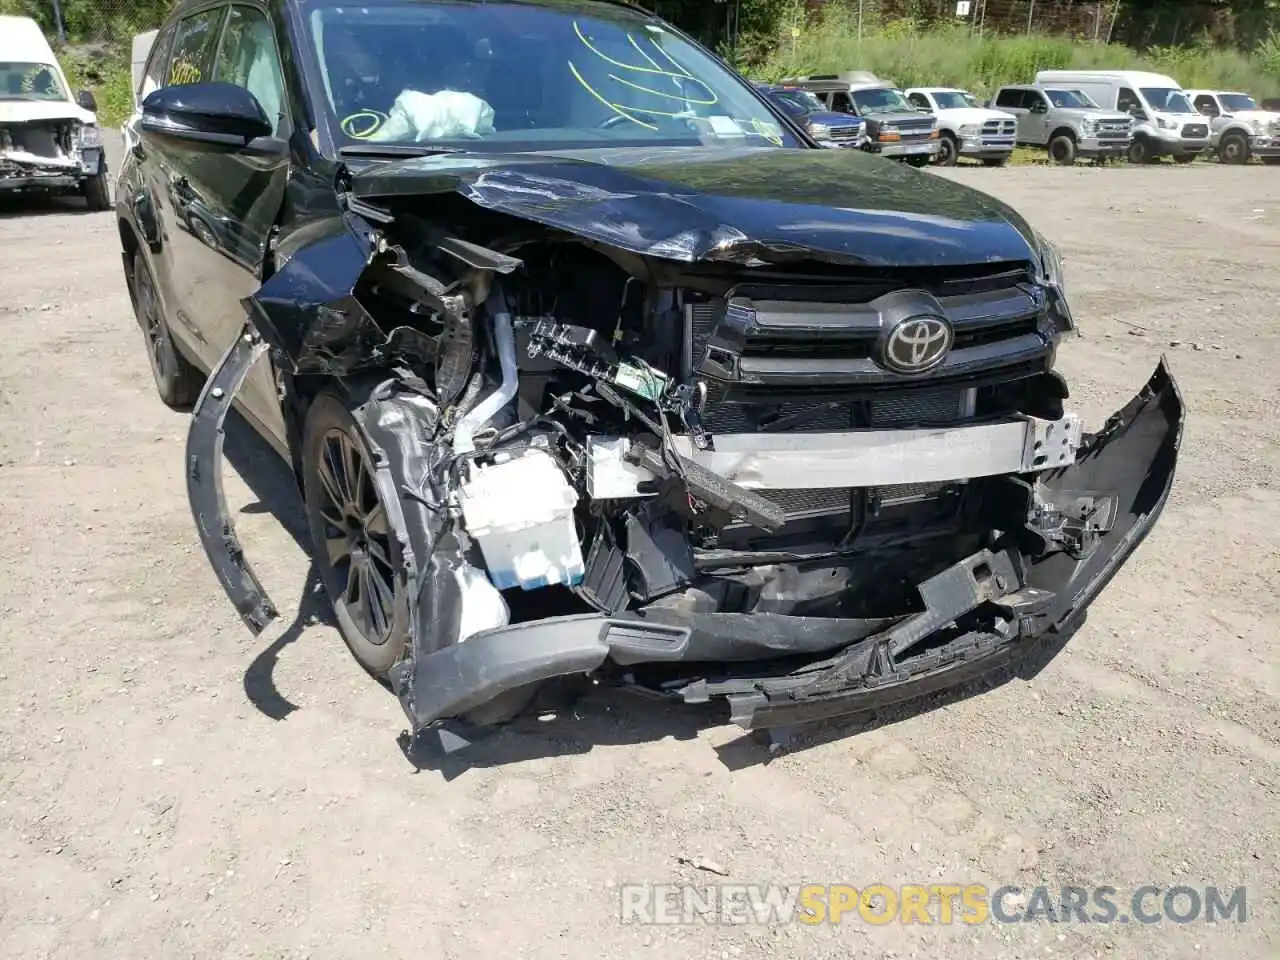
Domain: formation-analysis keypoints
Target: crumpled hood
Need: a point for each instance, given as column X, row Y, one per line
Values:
column 744, row 205
column 24, row 111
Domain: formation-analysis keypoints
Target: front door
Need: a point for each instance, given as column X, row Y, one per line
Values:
column 233, row 202
column 166, row 164
column 1015, row 102
column 1034, row 123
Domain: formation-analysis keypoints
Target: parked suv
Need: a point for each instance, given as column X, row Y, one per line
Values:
column 49, row 143
column 829, row 128
column 895, row 127
column 965, row 127
column 585, row 377
column 1164, row 122
column 1065, row 122
column 1238, row 127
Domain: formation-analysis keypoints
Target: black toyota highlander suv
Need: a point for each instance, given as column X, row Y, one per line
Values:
column 590, row 363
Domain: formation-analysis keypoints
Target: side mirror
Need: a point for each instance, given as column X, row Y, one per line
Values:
column 215, row 114
column 87, row 101
column 1039, row 107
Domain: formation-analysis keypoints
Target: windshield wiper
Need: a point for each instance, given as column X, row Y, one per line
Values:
column 395, row 150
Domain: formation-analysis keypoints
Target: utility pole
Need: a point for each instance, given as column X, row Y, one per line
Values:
column 1031, row 12
column 57, row 19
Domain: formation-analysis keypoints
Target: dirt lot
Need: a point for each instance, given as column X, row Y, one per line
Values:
column 170, row 787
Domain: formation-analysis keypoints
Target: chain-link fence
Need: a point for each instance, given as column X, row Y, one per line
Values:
column 90, row 21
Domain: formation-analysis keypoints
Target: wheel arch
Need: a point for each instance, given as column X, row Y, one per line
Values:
column 1063, row 130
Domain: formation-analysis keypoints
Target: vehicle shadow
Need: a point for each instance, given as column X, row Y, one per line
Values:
column 612, row 717
column 35, row 205
column 272, row 483
column 568, row 718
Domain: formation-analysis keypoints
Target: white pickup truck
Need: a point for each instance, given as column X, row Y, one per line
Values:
column 965, row 127
column 49, row 142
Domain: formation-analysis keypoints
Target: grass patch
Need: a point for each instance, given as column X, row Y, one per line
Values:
column 103, row 69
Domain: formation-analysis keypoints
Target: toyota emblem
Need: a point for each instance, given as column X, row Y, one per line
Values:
column 917, row 344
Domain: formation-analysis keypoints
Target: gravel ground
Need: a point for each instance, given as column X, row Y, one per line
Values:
column 171, row 787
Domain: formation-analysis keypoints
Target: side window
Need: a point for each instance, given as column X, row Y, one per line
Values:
column 1127, row 102
column 1010, row 98
column 1205, row 104
column 842, row 103
column 193, row 47
column 249, row 58
column 154, row 73
column 920, row 100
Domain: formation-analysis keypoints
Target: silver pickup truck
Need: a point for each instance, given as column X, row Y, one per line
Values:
column 1065, row 122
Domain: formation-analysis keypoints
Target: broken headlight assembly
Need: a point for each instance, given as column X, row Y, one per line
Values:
column 90, row 136
column 1051, row 276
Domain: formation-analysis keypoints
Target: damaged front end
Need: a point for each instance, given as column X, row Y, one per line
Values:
column 44, row 155
column 705, row 480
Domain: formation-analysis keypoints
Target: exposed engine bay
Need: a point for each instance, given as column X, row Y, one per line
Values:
column 39, row 152
column 803, row 485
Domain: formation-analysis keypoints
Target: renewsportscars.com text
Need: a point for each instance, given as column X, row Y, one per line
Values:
column 932, row 903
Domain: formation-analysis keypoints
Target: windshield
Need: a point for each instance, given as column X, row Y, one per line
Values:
column 30, row 81
column 1237, row 101
column 1070, row 98
column 1167, row 100
column 801, row 100
column 953, row 99
column 514, row 76
column 881, row 100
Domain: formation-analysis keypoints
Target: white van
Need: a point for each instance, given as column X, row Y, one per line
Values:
column 142, row 44
column 49, row 143
column 1164, row 121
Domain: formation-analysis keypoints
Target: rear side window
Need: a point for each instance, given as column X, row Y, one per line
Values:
column 1012, row 98
column 194, row 46
column 154, row 73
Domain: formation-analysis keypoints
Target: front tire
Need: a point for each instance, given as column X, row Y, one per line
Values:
column 1140, row 151
column 97, row 192
column 948, row 151
column 177, row 381
column 353, row 547
column 1062, row 150
column 1234, row 148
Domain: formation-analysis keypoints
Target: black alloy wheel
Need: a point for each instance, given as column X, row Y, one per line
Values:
column 355, row 552
column 177, row 381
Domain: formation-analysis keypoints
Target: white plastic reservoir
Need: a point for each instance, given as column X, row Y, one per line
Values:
column 520, row 512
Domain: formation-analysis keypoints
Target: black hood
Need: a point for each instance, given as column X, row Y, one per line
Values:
column 741, row 205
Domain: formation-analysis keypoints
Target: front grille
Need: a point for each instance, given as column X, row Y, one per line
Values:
column 1275, row 127
column 756, row 351
column 844, row 133
column 997, row 128
column 910, row 129
column 1195, row 131
column 1113, row 129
